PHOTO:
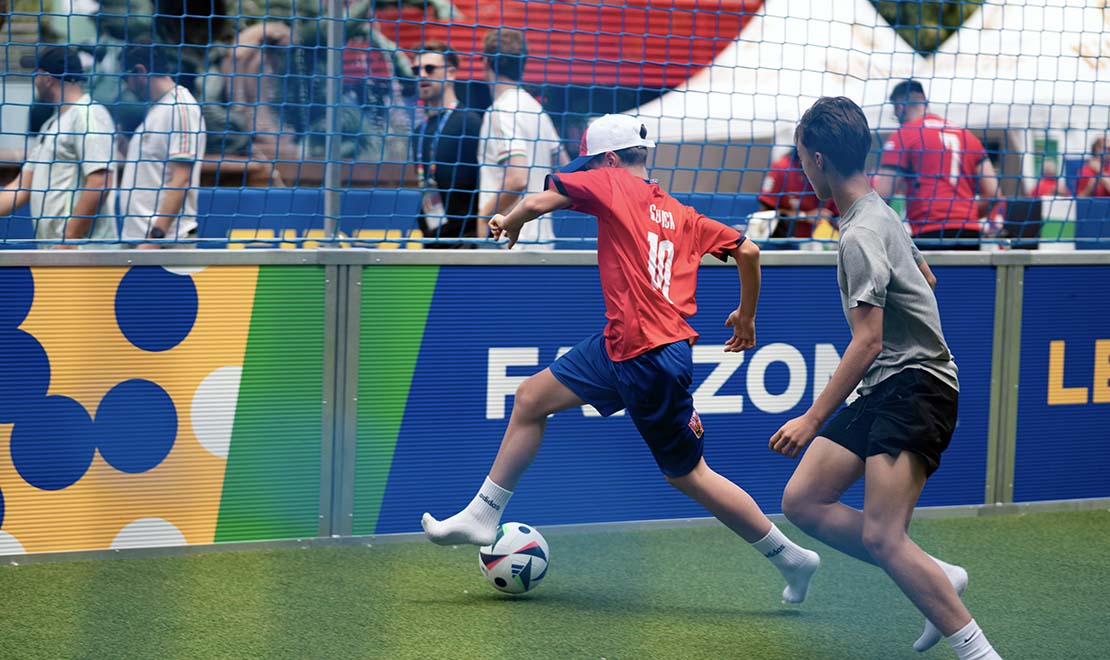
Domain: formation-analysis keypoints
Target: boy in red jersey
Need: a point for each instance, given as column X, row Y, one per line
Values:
column 649, row 248
column 944, row 167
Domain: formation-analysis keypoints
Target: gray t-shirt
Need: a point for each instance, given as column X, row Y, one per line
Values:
column 877, row 264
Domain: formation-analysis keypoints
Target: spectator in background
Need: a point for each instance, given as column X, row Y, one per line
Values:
column 69, row 172
column 786, row 191
column 950, row 182
column 1094, row 176
column 445, row 150
column 1050, row 184
column 519, row 144
column 162, row 170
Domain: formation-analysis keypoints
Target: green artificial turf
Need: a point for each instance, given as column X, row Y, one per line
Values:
column 1039, row 586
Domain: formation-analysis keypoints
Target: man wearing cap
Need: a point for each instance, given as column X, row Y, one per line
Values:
column 649, row 247
column 69, row 171
column 162, row 171
column 519, row 145
column 950, row 182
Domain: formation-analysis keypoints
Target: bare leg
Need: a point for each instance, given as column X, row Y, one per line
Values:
column 734, row 507
column 811, row 499
column 536, row 398
column 728, row 502
column 892, row 487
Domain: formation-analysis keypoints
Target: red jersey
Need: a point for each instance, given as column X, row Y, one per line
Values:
column 1086, row 173
column 786, row 189
column 1047, row 187
column 940, row 162
column 649, row 247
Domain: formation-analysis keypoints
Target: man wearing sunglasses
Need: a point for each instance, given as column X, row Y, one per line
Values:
column 445, row 151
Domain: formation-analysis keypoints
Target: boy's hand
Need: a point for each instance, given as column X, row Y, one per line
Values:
column 500, row 225
column 794, row 435
column 743, row 333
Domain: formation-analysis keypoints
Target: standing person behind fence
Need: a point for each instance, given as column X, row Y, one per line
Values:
column 520, row 145
column 69, row 171
column 1050, row 184
column 1094, row 176
column 162, row 171
column 445, row 150
column 787, row 192
column 943, row 165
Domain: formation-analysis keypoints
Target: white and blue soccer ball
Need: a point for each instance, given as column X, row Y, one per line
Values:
column 517, row 559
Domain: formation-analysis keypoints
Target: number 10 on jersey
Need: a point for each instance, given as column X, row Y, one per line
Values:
column 660, row 258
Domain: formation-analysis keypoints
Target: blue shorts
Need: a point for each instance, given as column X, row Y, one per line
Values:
column 653, row 387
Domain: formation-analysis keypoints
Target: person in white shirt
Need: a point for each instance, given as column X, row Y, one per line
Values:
column 69, row 172
column 158, row 193
column 519, row 145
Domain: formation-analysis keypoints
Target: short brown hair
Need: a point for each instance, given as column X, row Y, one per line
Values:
column 505, row 52
column 450, row 58
column 836, row 127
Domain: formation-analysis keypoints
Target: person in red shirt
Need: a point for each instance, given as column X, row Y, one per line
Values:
column 1050, row 184
column 950, row 183
column 786, row 191
column 649, row 247
column 1094, row 176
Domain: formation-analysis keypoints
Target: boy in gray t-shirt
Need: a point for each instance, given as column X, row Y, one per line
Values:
column 894, row 433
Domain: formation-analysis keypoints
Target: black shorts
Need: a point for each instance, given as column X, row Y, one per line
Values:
column 913, row 410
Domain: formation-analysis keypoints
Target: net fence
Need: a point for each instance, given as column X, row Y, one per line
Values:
column 406, row 123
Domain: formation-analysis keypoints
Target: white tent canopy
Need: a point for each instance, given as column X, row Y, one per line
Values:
column 1014, row 64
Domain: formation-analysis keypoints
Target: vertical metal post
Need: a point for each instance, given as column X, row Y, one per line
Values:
column 997, row 416
column 334, row 15
column 334, row 363
column 1005, row 373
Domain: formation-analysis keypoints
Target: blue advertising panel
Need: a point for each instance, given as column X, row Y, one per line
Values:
column 489, row 328
column 1063, row 417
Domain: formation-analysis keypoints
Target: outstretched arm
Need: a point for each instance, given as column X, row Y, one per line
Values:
column 529, row 208
column 742, row 321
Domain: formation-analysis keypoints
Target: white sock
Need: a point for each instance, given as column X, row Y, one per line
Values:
column 476, row 524
column 931, row 635
column 795, row 563
column 970, row 643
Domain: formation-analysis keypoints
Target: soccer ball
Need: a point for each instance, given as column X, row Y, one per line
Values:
column 516, row 561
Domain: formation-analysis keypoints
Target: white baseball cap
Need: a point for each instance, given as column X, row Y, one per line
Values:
column 609, row 133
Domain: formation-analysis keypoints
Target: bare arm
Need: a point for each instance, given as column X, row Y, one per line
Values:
column 742, row 321
column 529, row 208
column 988, row 186
column 513, row 184
column 928, row 273
column 173, row 194
column 16, row 193
column 885, row 182
column 867, row 342
column 87, row 208
column 1088, row 189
